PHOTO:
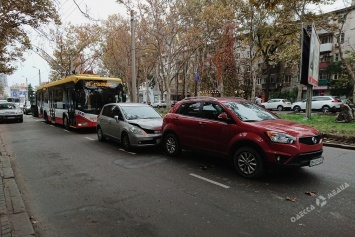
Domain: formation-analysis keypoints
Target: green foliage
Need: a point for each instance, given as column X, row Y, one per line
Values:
column 290, row 94
column 323, row 123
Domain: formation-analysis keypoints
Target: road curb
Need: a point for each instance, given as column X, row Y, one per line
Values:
column 14, row 220
column 342, row 146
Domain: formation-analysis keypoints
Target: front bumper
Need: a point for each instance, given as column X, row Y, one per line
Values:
column 144, row 141
column 8, row 117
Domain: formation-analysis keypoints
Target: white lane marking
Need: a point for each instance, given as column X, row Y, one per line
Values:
column 211, row 181
column 52, row 126
column 65, row 130
column 127, row 151
column 90, row 138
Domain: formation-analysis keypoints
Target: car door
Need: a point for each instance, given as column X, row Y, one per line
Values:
column 117, row 125
column 214, row 133
column 187, row 123
column 105, row 120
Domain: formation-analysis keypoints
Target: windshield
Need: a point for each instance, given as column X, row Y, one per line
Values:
column 91, row 100
column 139, row 112
column 249, row 112
column 7, row 106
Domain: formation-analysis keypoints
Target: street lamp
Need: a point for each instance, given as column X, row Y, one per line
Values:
column 39, row 74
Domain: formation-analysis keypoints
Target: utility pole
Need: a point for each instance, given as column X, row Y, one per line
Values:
column 39, row 75
column 133, row 55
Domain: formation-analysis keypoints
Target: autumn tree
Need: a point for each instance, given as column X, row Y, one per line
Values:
column 15, row 15
column 77, row 50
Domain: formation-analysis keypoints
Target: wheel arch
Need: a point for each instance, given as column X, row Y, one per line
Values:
column 247, row 143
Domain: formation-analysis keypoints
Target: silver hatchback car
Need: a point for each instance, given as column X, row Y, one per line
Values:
column 131, row 124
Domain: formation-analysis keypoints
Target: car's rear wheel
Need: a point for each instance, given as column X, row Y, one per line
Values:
column 100, row 134
column 280, row 108
column 297, row 109
column 248, row 162
column 172, row 145
column 125, row 143
column 325, row 109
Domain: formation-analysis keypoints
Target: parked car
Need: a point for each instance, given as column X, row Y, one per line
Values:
column 251, row 136
column 27, row 108
column 9, row 111
column 277, row 104
column 131, row 124
column 160, row 104
column 322, row 103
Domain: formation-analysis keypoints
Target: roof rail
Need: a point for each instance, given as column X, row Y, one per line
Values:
column 200, row 97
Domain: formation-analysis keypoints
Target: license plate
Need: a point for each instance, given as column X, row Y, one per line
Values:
column 316, row 161
column 10, row 117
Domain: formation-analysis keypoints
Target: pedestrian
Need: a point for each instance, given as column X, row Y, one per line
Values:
column 258, row 100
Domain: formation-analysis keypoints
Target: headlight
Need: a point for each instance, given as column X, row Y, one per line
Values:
column 137, row 130
column 280, row 137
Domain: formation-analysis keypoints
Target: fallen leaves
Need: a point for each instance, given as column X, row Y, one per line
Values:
column 291, row 199
column 313, row 194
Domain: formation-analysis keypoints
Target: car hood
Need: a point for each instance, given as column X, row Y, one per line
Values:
column 10, row 111
column 289, row 127
column 153, row 124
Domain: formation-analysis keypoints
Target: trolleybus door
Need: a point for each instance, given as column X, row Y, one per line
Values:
column 51, row 107
column 71, row 106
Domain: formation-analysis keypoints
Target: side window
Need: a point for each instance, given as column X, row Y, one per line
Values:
column 190, row 109
column 211, row 110
column 107, row 111
column 116, row 112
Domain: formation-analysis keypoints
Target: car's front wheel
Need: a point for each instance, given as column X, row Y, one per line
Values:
column 172, row 145
column 248, row 162
column 297, row 109
column 125, row 143
column 280, row 108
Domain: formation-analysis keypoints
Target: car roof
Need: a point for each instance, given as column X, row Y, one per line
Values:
column 129, row 104
column 220, row 99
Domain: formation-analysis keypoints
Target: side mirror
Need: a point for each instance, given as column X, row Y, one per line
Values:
column 223, row 116
column 117, row 118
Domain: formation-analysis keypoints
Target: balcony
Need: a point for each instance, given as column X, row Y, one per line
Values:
column 323, row 65
column 328, row 47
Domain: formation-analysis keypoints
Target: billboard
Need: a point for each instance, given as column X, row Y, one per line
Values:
column 313, row 66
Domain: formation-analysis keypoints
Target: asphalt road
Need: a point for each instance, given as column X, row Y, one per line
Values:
column 73, row 185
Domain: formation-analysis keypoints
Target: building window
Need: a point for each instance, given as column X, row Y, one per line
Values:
column 342, row 37
column 247, row 68
column 336, row 57
column 258, row 81
column 288, row 78
column 326, row 39
column 237, row 55
column 336, row 76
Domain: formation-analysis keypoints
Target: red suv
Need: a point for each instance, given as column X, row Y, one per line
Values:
column 251, row 136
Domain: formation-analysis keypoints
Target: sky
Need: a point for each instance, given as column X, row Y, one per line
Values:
column 35, row 67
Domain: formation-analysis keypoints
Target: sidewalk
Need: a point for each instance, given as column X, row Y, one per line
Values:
column 14, row 220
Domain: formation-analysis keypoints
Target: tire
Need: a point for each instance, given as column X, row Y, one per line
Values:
column 46, row 118
column 297, row 109
column 172, row 145
column 248, row 163
column 66, row 123
column 125, row 143
column 280, row 108
column 325, row 109
column 100, row 134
